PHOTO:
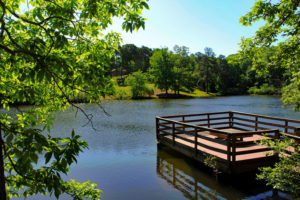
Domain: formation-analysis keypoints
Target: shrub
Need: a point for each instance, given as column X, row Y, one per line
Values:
column 137, row 82
column 285, row 174
column 264, row 89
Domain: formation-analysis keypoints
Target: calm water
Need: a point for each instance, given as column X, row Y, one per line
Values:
column 123, row 158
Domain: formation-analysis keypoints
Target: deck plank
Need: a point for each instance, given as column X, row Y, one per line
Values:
column 222, row 147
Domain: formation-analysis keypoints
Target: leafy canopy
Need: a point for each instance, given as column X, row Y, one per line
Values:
column 282, row 26
column 161, row 69
column 51, row 50
column 285, row 174
column 137, row 81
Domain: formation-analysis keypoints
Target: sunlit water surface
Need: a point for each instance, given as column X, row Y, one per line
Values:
column 123, row 158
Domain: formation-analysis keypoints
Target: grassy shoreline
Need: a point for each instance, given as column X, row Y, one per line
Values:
column 124, row 93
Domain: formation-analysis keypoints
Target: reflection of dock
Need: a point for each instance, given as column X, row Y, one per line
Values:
column 228, row 136
column 197, row 182
column 193, row 183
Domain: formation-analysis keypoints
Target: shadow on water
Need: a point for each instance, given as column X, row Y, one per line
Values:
column 196, row 181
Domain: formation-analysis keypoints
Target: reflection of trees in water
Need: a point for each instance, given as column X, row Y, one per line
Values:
column 200, row 184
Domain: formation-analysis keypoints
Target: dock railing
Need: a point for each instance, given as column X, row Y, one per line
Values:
column 204, row 128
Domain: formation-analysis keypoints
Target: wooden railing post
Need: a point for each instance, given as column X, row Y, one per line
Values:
column 208, row 120
column 229, row 148
column 276, row 137
column 196, row 140
column 297, row 131
column 230, row 119
column 286, row 126
column 233, row 148
column 256, row 120
column 173, row 132
column 183, row 118
column 157, row 127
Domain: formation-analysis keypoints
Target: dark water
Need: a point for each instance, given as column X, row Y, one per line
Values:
column 123, row 158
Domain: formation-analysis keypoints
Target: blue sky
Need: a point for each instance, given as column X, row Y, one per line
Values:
column 193, row 23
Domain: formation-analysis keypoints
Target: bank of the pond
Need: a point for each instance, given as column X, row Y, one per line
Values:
column 125, row 93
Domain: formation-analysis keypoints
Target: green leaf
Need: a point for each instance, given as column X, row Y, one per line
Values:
column 48, row 156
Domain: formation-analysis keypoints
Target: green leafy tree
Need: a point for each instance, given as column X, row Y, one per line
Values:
column 183, row 69
column 161, row 69
column 145, row 54
column 51, row 50
column 235, row 75
column 207, row 72
column 128, row 53
column 285, row 175
column 137, row 81
column 200, row 70
column 281, row 26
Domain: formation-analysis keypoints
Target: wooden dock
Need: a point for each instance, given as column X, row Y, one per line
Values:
column 228, row 136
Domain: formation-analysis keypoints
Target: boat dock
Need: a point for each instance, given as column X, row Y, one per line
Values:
column 228, row 137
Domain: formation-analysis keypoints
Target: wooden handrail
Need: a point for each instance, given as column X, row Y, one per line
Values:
column 167, row 126
column 266, row 117
column 194, row 115
column 200, row 128
column 205, row 119
column 265, row 123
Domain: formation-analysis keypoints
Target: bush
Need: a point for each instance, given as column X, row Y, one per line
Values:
column 121, row 93
column 137, row 82
column 264, row 89
column 285, row 174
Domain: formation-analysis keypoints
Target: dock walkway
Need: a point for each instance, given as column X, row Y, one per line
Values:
column 228, row 136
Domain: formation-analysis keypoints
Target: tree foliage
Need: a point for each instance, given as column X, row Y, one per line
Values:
column 183, row 70
column 161, row 69
column 285, row 175
column 50, row 51
column 282, row 26
column 131, row 58
column 137, row 81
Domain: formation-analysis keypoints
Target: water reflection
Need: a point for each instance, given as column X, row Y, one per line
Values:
column 195, row 181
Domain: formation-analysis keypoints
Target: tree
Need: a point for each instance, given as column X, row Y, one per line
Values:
column 161, row 69
column 281, row 26
column 50, row 51
column 137, row 81
column 285, row 174
column 207, row 69
column 128, row 53
column 145, row 54
column 200, row 71
column 183, row 69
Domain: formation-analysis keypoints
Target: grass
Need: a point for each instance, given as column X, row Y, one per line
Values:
column 199, row 93
column 124, row 92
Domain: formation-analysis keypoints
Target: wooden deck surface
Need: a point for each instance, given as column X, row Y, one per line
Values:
column 220, row 144
column 229, row 136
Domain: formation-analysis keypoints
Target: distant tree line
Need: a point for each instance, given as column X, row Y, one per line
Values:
column 179, row 70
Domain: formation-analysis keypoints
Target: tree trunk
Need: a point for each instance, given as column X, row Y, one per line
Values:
column 2, row 177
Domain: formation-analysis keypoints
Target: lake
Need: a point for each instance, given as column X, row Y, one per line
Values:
column 123, row 158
